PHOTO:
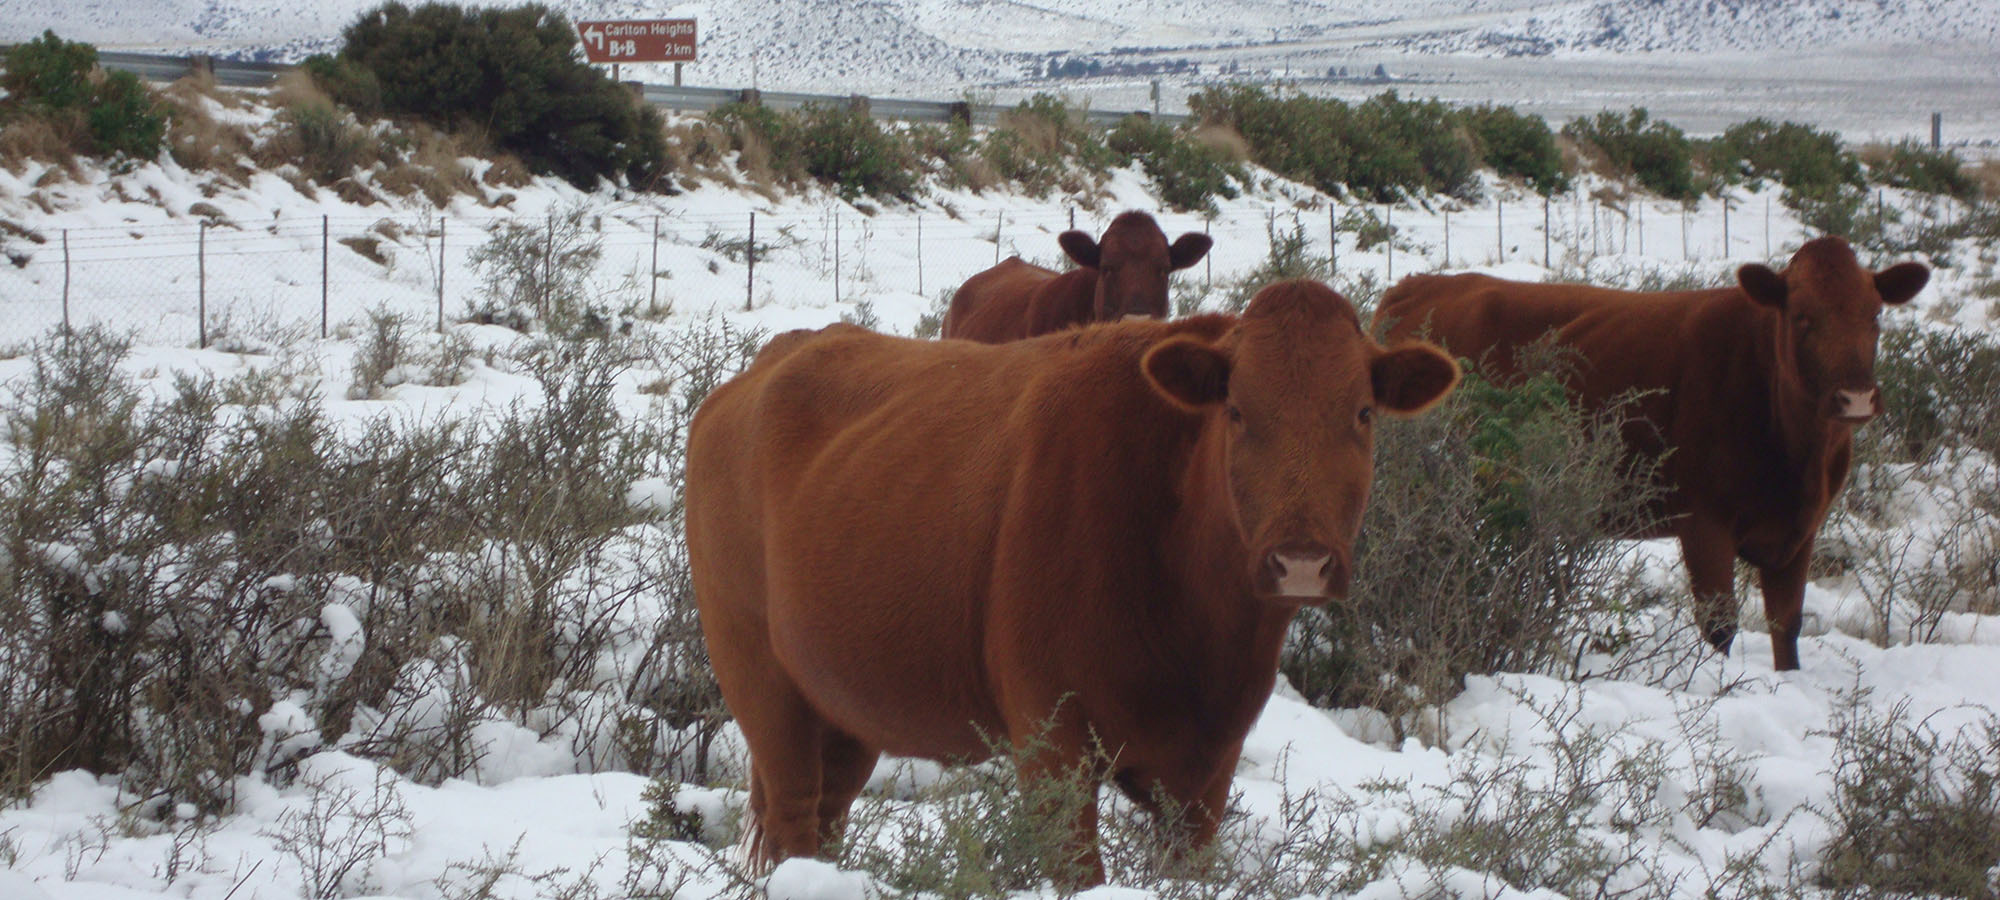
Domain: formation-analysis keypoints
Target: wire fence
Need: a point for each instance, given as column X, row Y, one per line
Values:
column 214, row 279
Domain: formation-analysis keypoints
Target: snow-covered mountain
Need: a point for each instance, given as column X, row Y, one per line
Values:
column 883, row 44
column 1625, row 26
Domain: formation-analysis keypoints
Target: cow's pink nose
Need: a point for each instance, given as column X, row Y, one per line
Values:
column 1305, row 570
column 1856, row 404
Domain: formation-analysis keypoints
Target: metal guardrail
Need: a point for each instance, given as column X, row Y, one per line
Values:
column 153, row 67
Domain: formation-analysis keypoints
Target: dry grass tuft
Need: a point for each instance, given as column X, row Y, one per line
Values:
column 41, row 139
column 1223, row 140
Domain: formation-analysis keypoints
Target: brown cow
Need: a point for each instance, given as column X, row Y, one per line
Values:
column 1123, row 275
column 907, row 546
column 1756, row 388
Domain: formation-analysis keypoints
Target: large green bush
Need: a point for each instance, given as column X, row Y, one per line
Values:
column 511, row 74
column 1188, row 174
column 1518, row 145
column 1656, row 153
column 1809, row 163
column 113, row 116
column 1912, row 166
column 1383, row 148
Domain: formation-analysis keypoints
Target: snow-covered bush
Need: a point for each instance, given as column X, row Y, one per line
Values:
column 1483, row 550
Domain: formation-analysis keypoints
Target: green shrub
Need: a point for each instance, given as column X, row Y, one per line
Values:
column 1809, row 163
column 124, row 117
column 512, row 74
column 847, row 149
column 1188, row 175
column 1915, row 812
column 1518, row 145
column 1481, row 550
column 1383, row 148
column 51, row 78
column 1656, row 153
column 1939, row 389
column 50, row 72
column 1042, row 145
column 1912, row 166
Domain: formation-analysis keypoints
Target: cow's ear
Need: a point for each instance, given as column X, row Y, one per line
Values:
column 1900, row 282
column 1080, row 246
column 1762, row 285
column 1189, row 372
column 1411, row 378
column 1189, row 248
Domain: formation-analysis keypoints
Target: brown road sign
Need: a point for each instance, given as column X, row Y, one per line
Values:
column 638, row 41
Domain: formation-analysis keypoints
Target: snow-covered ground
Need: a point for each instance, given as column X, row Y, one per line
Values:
column 543, row 827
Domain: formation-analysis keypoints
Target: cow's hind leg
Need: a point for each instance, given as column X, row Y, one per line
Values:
column 1710, row 555
column 845, row 765
column 784, row 735
column 1784, row 603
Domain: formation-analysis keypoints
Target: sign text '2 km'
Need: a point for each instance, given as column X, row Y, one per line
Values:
column 638, row 41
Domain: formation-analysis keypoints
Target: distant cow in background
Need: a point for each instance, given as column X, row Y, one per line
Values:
column 1755, row 388
column 1125, row 274
column 1087, row 541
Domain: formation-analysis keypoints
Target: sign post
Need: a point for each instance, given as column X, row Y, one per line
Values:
column 638, row 41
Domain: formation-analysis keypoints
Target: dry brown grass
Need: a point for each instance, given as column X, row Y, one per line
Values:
column 1578, row 156
column 201, row 143
column 42, row 139
column 699, row 149
column 295, row 88
column 432, row 165
column 1986, row 174
column 1224, row 140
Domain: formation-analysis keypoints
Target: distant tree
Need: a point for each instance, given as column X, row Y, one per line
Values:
column 511, row 74
column 1654, row 152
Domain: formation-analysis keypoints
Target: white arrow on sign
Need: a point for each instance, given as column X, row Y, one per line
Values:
column 594, row 37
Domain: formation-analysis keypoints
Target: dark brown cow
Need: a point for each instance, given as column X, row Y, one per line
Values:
column 1125, row 274
column 1757, row 389
column 910, row 546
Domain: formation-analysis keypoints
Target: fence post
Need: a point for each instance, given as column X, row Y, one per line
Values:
column 1545, row 232
column 1208, row 261
column 1725, row 226
column 1499, row 228
column 201, row 286
column 920, row 254
column 441, row 223
column 548, row 262
column 1389, row 220
column 1684, row 233
column 1072, row 218
column 324, row 235
column 999, row 219
column 1332, row 238
column 750, row 278
column 653, row 273
column 66, row 283
column 836, row 256
column 1767, row 226
column 1447, row 237
column 1640, row 227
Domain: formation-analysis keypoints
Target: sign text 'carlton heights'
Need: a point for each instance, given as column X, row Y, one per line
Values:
column 638, row 41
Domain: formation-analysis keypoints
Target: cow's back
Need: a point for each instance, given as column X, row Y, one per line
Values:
column 1683, row 363
column 1016, row 300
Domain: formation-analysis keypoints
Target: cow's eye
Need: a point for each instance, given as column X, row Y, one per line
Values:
column 1366, row 415
column 1235, row 415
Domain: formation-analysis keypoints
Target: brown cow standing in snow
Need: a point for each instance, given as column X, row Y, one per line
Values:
column 1756, row 389
column 1125, row 274
column 908, row 547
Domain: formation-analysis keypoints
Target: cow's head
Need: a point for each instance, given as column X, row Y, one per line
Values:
column 1827, row 306
column 1132, row 263
column 1294, row 391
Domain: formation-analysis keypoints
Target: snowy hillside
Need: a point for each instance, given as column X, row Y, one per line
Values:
column 1629, row 26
